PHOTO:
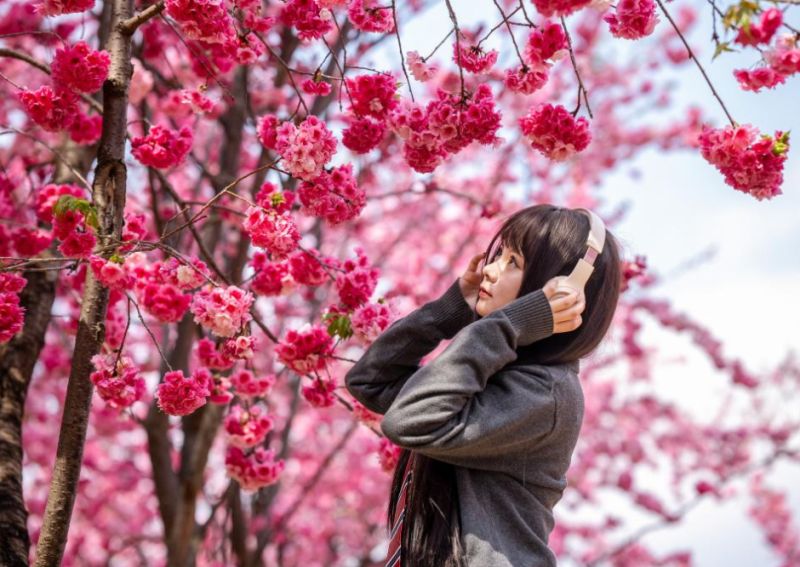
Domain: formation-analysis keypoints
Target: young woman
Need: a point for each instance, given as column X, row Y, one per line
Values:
column 488, row 428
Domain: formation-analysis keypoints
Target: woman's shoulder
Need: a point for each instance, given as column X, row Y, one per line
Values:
column 562, row 379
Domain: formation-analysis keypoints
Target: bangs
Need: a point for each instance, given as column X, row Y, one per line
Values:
column 513, row 236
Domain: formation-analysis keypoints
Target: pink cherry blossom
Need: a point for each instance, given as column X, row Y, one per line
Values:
column 11, row 313
column 358, row 280
column 363, row 134
column 334, row 196
column 253, row 470
column 472, row 57
column 58, row 7
column 305, row 350
column 633, row 19
column 248, row 386
column 751, row 162
column 52, row 109
column 545, row 43
column 181, row 395
column 247, row 427
column 222, row 310
column 554, row 132
column 117, row 380
column 205, row 20
column 271, row 278
column 162, row 148
column 372, row 95
column 550, row 8
column 754, row 33
column 80, row 68
column 308, row 18
column 320, row 393
column 420, row 69
column 371, row 16
column 276, row 233
column 305, row 150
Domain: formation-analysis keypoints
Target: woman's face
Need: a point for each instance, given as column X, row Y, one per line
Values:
column 502, row 278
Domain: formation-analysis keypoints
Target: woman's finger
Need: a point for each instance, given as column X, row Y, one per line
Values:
column 473, row 264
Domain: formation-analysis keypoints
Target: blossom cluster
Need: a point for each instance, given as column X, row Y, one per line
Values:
column 333, row 196
column 782, row 61
column 320, row 393
column 554, row 132
column 448, row 124
column 248, row 386
column 471, row 57
column 205, row 20
column 550, row 8
column 751, row 162
column 77, row 238
column 372, row 95
column 11, row 312
column 276, row 233
column 246, row 427
column 421, row 69
column 59, row 7
column 162, row 147
column 305, row 350
column 160, row 287
column 305, row 150
column 308, row 18
column 222, row 310
column 254, row 470
column 80, row 68
column 371, row 16
column 76, row 69
column 356, row 281
column 633, row 19
column 181, row 395
column 117, row 380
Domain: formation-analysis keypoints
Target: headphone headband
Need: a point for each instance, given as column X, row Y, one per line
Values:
column 595, row 242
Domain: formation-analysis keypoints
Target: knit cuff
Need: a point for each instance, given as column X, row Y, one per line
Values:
column 451, row 312
column 531, row 317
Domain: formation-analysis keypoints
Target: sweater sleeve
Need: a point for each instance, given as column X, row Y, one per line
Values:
column 395, row 355
column 445, row 409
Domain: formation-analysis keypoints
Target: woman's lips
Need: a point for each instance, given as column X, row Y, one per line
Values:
column 484, row 293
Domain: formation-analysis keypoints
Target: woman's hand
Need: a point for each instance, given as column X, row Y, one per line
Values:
column 470, row 281
column 566, row 309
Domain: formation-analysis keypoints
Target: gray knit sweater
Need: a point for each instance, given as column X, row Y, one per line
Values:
column 508, row 425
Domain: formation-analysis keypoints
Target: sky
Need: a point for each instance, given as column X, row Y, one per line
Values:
column 745, row 294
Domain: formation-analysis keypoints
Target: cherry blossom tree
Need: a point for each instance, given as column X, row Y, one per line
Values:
column 176, row 319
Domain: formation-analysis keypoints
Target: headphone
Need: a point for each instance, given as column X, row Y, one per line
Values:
column 585, row 266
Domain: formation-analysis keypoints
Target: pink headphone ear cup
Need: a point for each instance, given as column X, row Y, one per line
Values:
column 563, row 290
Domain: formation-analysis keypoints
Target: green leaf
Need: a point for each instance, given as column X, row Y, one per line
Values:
column 70, row 203
column 339, row 326
column 722, row 47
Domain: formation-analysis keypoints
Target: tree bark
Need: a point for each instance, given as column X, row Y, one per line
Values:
column 108, row 198
column 17, row 361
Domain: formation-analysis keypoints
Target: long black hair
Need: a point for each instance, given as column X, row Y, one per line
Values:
column 551, row 240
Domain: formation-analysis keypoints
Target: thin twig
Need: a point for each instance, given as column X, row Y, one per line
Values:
column 149, row 332
column 400, row 47
column 510, row 32
column 458, row 45
column 699, row 66
column 581, row 86
column 129, row 26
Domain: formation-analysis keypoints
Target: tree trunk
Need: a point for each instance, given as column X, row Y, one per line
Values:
column 108, row 198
